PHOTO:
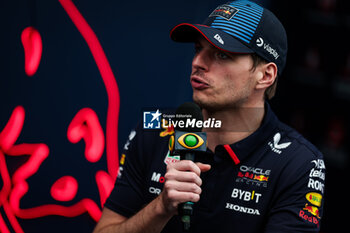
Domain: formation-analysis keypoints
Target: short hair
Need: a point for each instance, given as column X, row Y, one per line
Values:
column 271, row 90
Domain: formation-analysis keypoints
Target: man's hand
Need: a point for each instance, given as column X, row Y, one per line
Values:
column 182, row 184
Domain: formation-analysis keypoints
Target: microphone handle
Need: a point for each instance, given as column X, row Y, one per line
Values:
column 186, row 209
column 188, row 156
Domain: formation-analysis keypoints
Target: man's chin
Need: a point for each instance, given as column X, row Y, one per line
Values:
column 204, row 103
column 212, row 105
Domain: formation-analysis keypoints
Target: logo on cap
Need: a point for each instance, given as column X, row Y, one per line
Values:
column 224, row 11
column 218, row 38
column 259, row 42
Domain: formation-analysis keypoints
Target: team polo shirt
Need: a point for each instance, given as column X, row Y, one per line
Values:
column 271, row 181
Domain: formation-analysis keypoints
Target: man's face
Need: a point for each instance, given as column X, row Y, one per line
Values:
column 221, row 80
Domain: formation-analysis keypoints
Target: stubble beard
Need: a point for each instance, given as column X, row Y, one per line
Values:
column 233, row 100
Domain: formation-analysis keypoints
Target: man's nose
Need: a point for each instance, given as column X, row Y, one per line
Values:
column 201, row 60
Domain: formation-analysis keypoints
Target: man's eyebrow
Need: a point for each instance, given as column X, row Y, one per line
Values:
column 197, row 42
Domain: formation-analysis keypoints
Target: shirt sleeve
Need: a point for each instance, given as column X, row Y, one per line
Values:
column 126, row 197
column 298, row 204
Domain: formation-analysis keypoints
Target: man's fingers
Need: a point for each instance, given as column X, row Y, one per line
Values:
column 203, row 167
column 183, row 187
column 183, row 176
column 185, row 165
column 182, row 183
column 180, row 197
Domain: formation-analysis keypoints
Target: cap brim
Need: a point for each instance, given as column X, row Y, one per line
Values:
column 186, row 32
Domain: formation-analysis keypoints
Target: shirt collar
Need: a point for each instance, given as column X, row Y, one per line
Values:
column 240, row 150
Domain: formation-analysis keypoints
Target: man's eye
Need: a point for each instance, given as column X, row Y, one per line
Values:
column 222, row 56
column 197, row 49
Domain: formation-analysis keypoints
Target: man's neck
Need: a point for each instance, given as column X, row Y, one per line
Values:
column 237, row 124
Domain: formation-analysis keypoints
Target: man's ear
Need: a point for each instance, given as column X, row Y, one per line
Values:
column 267, row 74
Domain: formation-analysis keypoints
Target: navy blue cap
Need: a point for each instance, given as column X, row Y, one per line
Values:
column 240, row 26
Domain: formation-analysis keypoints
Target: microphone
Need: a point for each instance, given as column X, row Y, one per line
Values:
column 187, row 142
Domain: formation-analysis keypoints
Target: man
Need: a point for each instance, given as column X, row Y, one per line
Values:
column 258, row 175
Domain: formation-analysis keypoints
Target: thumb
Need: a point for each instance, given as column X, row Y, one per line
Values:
column 203, row 167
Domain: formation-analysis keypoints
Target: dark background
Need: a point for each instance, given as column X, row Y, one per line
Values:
column 152, row 71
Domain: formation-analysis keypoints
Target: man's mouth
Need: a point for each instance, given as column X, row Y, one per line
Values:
column 198, row 83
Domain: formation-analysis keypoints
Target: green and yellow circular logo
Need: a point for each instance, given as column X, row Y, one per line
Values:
column 190, row 141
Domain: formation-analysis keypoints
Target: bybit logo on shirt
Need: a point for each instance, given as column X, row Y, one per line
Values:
column 246, row 195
